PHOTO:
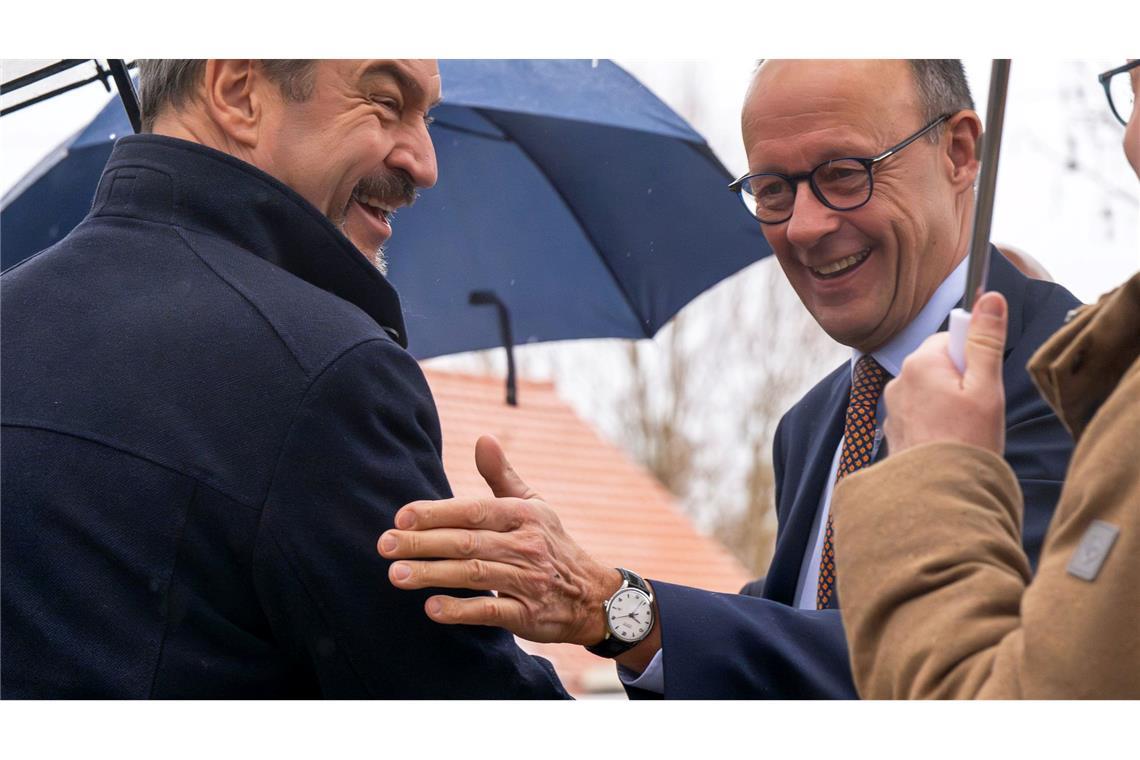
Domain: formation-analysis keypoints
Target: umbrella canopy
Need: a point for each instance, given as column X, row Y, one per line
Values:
column 566, row 188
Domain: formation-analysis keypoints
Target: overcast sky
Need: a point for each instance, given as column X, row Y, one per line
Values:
column 1082, row 224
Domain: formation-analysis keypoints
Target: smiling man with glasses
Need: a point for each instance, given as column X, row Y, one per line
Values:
column 875, row 246
column 1070, row 630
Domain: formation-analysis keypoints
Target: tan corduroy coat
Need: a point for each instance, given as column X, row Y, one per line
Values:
column 936, row 589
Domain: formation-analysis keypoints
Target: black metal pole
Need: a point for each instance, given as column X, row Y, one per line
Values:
column 488, row 298
column 127, row 93
column 40, row 74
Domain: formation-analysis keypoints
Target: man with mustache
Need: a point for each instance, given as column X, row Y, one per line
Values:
column 861, row 174
column 209, row 413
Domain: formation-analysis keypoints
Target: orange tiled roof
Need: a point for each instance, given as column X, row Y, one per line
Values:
column 613, row 507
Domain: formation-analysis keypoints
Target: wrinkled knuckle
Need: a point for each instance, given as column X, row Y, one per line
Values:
column 536, row 614
column 469, row 544
column 477, row 512
column 476, row 571
column 411, row 542
column 549, row 516
column 539, row 581
column 533, row 548
column 989, row 342
column 515, row 516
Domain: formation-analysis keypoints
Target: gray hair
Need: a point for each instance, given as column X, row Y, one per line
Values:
column 165, row 82
column 942, row 88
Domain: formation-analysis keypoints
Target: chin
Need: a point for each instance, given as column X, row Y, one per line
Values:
column 376, row 258
column 846, row 331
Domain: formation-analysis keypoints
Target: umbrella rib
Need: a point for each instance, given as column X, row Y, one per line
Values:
column 585, row 231
column 469, row 131
column 605, row 262
column 506, row 137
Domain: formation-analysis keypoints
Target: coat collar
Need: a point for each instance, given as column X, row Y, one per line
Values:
column 1004, row 278
column 171, row 181
column 1080, row 366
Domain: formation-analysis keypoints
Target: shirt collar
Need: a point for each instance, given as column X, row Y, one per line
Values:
column 892, row 353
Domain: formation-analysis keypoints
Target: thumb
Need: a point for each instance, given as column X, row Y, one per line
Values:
column 497, row 471
column 985, row 341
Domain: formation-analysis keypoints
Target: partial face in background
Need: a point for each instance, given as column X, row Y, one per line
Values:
column 896, row 249
column 358, row 147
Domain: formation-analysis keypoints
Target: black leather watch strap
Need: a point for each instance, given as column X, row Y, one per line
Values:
column 612, row 646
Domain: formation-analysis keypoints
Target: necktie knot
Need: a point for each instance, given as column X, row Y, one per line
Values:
column 868, row 381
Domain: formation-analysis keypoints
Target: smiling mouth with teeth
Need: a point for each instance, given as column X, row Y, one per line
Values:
column 841, row 267
column 375, row 207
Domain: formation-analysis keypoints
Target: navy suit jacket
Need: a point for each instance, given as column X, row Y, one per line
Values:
column 724, row 646
column 208, row 419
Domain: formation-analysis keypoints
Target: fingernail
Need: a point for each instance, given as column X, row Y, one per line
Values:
column 434, row 606
column 401, row 571
column 387, row 542
column 405, row 520
column 992, row 305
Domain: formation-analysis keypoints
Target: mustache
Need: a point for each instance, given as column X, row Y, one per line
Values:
column 393, row 188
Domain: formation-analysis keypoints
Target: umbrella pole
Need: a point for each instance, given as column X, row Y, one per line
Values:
column 983, row 211
column 127, row 93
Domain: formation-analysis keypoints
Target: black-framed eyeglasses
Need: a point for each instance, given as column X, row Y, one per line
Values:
column 1118, row 90
column 843, row 184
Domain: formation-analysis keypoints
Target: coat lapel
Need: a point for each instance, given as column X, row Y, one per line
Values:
column 812, row 438
column 1005, row 279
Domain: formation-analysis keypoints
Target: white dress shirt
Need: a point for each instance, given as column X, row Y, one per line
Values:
column 890, row 356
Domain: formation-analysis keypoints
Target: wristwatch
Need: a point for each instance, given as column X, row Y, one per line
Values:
column 629, row 616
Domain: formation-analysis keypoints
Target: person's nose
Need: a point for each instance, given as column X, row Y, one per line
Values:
column 811, row 220
column 415, row 155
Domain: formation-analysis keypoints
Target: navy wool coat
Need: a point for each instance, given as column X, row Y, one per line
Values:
column 208, row 420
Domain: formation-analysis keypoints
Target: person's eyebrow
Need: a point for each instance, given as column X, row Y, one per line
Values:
column 405, row 82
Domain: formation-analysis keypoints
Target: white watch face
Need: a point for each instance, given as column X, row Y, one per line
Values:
column 630, row 615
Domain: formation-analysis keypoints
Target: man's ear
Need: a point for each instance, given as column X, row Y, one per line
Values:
column 963, row 130
column 233, row 98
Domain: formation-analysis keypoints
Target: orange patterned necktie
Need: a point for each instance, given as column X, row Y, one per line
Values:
column 858, row 446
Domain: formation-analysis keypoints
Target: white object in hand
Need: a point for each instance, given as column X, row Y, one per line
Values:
column 959, row 326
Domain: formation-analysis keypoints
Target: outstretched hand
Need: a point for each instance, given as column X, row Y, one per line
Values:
column 931, row 401
column 548, row 588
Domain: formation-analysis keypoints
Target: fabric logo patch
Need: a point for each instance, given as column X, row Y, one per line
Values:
column 1094, row 547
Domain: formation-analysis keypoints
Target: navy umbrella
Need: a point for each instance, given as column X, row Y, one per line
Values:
column 568, row 193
